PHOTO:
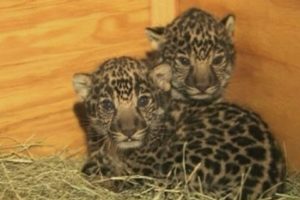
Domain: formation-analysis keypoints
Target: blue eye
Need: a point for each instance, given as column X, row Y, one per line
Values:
column 184, row 61
column 108, row 105
column 143, row 101
column 217, row 60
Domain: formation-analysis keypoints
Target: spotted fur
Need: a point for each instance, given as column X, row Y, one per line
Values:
column 214, row 149
column 199, row 50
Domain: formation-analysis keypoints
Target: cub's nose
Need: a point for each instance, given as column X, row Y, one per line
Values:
column 129, row 132
column 202, row 87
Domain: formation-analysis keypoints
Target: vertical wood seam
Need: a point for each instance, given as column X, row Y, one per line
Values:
column 163, row 11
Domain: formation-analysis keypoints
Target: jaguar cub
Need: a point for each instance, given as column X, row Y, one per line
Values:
column 198, row 50
column 220, row 149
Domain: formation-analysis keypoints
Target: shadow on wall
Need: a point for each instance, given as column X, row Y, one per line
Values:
column 83, row 120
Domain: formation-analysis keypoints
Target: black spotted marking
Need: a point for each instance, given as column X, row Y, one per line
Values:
column 89, row 168
column 273, row 172
column 246, row 193
column 241, row 159
column 232, row 168
column 237, row 129
column 166, row 167
column 221, row 155
column 196, row 159
column 90, row 108
column 225, row 126
column 200, row 174
column 243, row 141
column 170, row 154
column 177, row 147
column 257, row 170
column 189, row 129
column 179, row 158
column 214, row 115
column 193, row 145
column 199, row 134
column 105, row 170
column 216, row 131
column 204, row 151
column 210, row 110
column 94, row 96
column 135, row 170
column 190, row 119
column 187, row 37
column 266, row 185
column 213, row 165
column 212, row 140
column 224, row 181
column 159, row 153
column 171, row 120
column 174, row 39
column 156, row 167
column 230, row 147
column 200, row 125
column 96, row 89
column 181, row 42
column 258, row 152
column 215, row 122
column 208, row 179
column 147, row 172
column 256, row 133
column 242, row 120
column 188, row 168
column 250, row 182
column 229, row 116
column 149, row 161
column 234, row 111
column 276, row 154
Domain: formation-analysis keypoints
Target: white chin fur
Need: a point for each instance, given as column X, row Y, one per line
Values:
column 196, row 94
column 200, row 96
column 129, row 144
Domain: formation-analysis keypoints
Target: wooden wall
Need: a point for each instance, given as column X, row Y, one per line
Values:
column 43, row 43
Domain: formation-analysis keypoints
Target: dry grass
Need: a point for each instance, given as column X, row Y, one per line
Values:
column 57, row 177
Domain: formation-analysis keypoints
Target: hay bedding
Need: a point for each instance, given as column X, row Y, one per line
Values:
column 50, row 178
column 57, row 177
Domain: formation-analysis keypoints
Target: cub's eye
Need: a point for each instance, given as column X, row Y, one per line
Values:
column 217, row 60
column 143, row 101
column 184, row 61
column 108, row 105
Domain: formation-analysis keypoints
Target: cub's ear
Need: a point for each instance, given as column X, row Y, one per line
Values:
column 228, row 21
column 82, row 85
column 161, row 75
column 156, row 35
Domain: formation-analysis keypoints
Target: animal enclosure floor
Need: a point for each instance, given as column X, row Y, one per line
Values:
column 58, row 177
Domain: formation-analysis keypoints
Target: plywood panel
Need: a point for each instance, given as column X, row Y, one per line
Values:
column 42, row 43
column 162, row 12
column 267, row 72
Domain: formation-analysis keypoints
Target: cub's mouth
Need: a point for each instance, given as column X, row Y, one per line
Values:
column 129, row 144
column 123, row 140
column 193, row 93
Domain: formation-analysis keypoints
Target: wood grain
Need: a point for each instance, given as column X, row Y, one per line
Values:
column 162, row 12
column 42, row 44
column 266, row 78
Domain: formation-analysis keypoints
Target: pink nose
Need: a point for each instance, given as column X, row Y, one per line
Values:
column 128, row 132
column 202, row 87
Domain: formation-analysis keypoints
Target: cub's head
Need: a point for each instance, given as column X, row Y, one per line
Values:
column 120, row 101
column 199, row 51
